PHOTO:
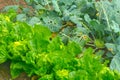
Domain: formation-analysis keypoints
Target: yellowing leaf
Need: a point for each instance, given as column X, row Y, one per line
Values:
column 7, row 18
column 17, row 43
column 63, row 73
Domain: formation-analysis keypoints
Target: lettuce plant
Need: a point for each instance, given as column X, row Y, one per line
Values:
column 33, row 50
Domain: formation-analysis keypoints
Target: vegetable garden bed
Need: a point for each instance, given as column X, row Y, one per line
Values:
column 58, row 40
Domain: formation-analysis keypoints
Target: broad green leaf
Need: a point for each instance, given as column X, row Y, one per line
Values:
column 115, row 27
column 34, row 20
column 118, row 40
column 118, row 48
column 55, row 5
column 21, row 17
column 40, row 38
column 14, row 7
column 87, row 18
column 115, row 63
column 55, row 44
column 73, row 48
column 41, row 32
column 111, row 47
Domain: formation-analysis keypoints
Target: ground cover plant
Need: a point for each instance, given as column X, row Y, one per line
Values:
column 72, row 27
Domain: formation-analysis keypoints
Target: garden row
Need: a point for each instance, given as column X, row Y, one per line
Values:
column 62, row 40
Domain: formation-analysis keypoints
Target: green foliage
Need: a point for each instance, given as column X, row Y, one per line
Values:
column 109, row 13
column 79, row 23
column 3, row 54
column 30, row 50
column 115, row 63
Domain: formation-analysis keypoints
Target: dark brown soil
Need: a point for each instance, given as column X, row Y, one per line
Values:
column 5, row 73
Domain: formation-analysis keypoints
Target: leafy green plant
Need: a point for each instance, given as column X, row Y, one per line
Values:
column 89, row 23
column 30, row 50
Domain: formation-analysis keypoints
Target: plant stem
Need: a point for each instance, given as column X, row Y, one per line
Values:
column 107, row 19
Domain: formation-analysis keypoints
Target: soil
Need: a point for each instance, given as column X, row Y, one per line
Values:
column 5, row 73
column 4, row 3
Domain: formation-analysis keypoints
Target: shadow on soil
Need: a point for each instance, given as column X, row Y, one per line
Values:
column 5, row 73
